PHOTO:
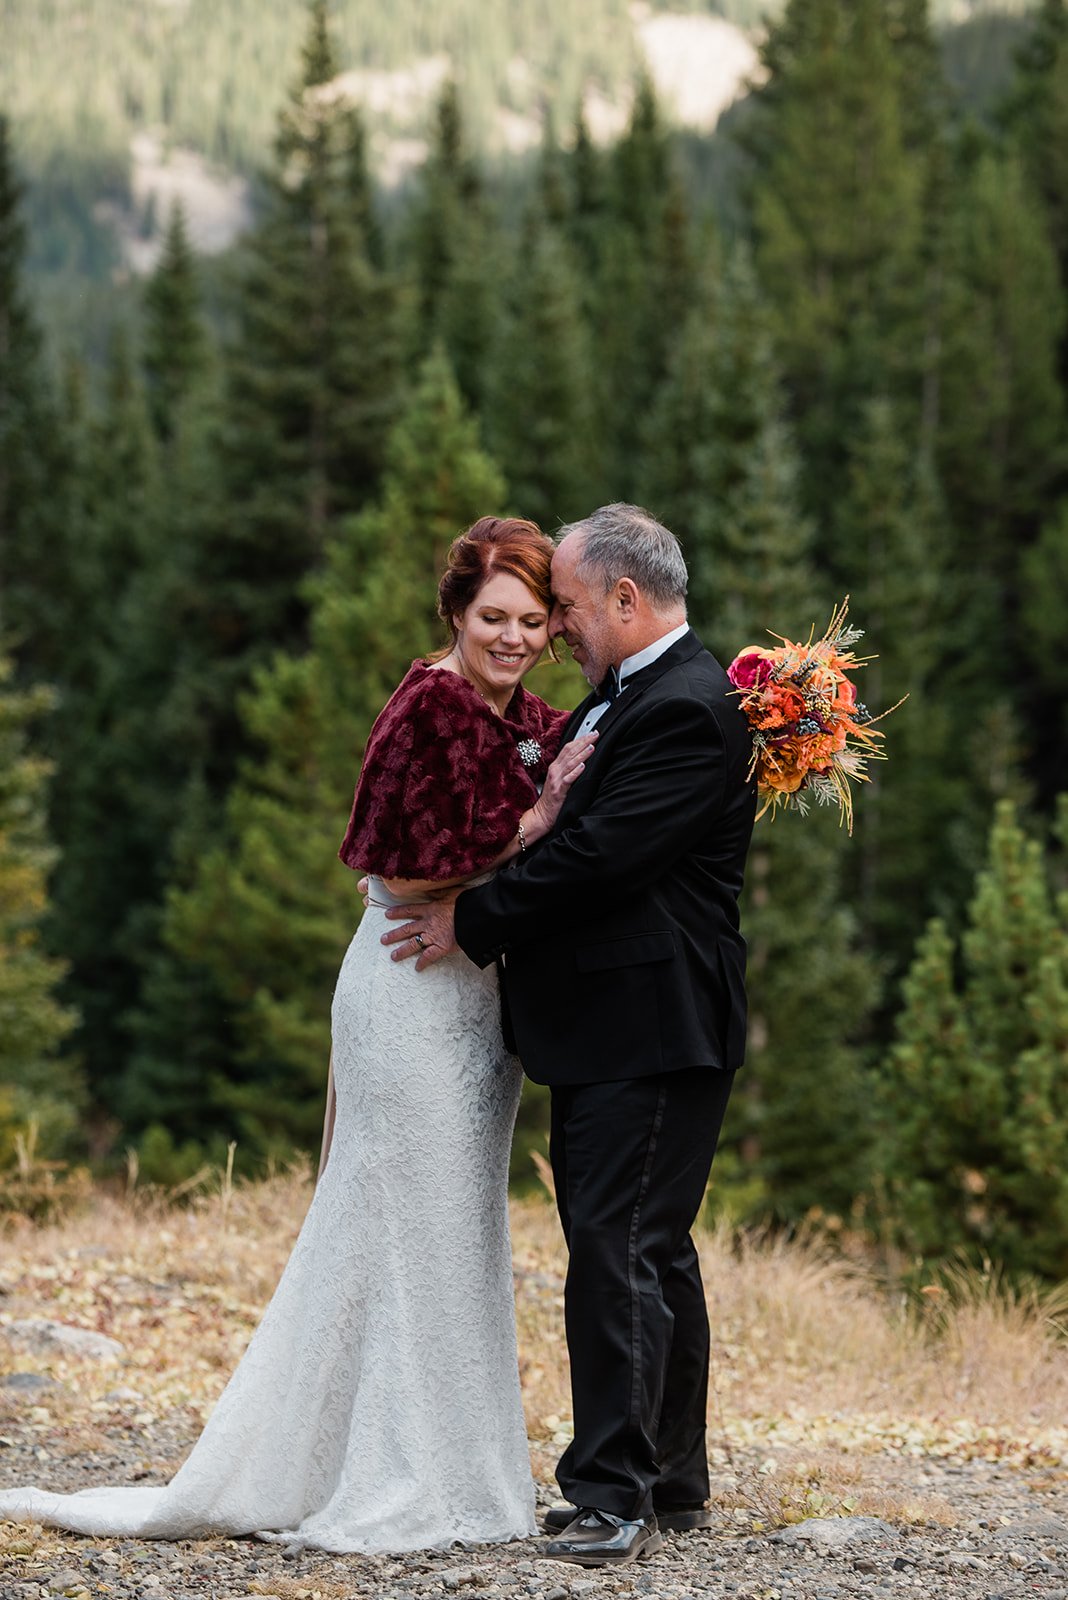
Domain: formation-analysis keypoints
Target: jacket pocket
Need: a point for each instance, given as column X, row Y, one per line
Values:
column 636, row 949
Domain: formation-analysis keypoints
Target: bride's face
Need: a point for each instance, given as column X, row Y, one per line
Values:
column 501, row 635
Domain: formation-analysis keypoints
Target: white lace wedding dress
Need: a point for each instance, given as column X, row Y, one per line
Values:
column 377, row 1407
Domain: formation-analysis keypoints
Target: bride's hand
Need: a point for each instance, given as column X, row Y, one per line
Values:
column 558, row 780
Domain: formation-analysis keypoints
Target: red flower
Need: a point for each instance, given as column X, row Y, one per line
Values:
column 749, row 670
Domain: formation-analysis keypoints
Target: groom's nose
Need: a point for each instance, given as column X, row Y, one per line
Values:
column 556, row 622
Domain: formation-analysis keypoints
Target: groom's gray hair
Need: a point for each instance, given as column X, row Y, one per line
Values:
column 621, row 541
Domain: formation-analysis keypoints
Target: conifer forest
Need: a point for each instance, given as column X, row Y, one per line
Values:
column 825, row 341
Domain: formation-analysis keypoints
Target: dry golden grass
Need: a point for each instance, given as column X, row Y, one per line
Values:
column 823, row 1388
column 806, row 1341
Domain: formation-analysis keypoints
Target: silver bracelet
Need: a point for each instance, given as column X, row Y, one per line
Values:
column 522, row 837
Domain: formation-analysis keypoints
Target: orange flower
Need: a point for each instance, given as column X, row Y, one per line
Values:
column 801, row 701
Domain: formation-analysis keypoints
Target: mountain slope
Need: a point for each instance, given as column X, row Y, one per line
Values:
column 117, row 111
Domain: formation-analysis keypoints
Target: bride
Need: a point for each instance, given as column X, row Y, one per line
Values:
column 377, row 1407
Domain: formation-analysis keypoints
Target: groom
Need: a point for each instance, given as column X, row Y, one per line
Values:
column 622, row 973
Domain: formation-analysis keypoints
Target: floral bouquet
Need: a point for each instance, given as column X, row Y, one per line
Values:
column 811, row 735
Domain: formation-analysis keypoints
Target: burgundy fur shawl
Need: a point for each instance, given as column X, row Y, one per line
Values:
column 442, row 786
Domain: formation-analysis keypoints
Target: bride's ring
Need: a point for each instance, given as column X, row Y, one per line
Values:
column 420, row 941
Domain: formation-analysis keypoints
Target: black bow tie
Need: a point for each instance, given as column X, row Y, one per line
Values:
column 608, row 687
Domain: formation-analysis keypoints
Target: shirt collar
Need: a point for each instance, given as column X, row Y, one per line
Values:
column 651, row 653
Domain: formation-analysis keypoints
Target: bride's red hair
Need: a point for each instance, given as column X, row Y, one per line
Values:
column 491, row 545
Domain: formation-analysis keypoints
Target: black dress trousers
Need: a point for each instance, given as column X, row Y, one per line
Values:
column 631, row 1160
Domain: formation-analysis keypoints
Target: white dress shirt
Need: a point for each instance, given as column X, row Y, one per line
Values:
column 634, row 663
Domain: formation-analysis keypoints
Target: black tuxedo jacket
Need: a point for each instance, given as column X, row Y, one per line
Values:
column 617, row 935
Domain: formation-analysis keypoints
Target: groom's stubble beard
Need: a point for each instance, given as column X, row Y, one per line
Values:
column 604, row 650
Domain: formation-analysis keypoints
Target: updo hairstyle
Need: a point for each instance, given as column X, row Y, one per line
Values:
column 492, row 545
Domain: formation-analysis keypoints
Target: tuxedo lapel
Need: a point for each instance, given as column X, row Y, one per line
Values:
column 636, row 683
column 684, row 649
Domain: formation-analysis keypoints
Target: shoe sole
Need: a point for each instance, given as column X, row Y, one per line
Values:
column 649, row 1548
column 668, row 1522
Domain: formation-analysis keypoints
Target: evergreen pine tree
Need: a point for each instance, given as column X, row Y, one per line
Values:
column 974, row 1096
column 1036, row 115
column 719, row 464
column 640, row 165
column 61, row 591
column 30, row 455
column 922, row 819
column 311, row 385
column 541, row 416
column 268, row 918
column 587, row 185
column 552, row 197
column 174, row 349
column 177, row 616
column 35, row 1084
column 451, row 192
column 313, row 374
column 838, row 207
column 103, row 873
column 1001, row 441
column 170, row 687
column 721, row 467
column 923, row 85
column 1043, row 608
column 644, row 283
column 928, row 1099
column 457, row 255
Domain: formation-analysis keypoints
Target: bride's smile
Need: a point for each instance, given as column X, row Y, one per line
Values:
column 499, row 637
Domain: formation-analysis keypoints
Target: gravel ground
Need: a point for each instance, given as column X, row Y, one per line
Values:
column 1003, row 1532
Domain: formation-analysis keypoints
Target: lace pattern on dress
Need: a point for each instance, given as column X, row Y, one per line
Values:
column 377, row 1406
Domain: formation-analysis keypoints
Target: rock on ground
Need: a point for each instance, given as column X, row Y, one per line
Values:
column 41, row 1336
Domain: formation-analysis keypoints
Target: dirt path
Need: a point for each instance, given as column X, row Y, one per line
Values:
column 1000, row 1531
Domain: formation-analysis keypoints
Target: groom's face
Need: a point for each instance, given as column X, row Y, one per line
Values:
column 583, row 615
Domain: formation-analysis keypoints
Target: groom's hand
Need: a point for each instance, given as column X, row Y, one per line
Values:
column 427, row 932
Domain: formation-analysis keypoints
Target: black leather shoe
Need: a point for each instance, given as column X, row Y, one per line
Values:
column 599, row 1539
column 682, row 1520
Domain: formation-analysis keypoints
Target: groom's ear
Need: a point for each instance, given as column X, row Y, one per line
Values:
column 627, row 598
